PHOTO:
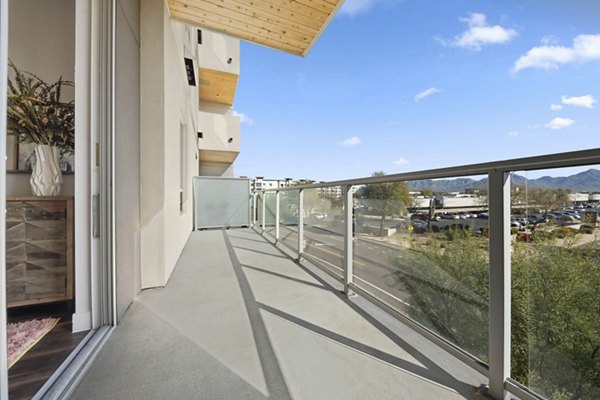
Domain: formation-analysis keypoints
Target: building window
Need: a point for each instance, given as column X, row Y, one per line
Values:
column 189, row 69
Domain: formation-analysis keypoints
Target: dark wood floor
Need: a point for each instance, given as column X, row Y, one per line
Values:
column 30, row 373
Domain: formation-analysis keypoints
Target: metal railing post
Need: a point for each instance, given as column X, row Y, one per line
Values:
column 277, row 193
column 264, row 209
column 348, row 239
column 300, row 223
column 500, row 281
column 253, row 209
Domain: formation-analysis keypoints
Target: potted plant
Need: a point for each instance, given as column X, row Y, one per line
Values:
column 36, row 114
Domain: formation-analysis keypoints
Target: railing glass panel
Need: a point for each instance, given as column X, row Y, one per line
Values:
column 270, row 204
column 556, row 283
column 424, row 251
column 288, row 217
column 324, row 227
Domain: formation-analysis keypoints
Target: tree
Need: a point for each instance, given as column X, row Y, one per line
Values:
column 548, row 199
column 448, row 285
column 387, row 199
column 555, row 330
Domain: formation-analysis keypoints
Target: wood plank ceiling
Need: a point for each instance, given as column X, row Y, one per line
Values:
column 292, row 26
column 216, row 86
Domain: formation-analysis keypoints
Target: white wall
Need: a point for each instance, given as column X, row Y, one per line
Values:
column 31, row 48
column 217, row 124
column 215, row 51
column 127, row 152
column 167, row 104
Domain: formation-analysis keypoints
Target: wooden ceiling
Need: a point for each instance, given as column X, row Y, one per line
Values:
column 216, row 86
column 292, row 26
column 217, row 156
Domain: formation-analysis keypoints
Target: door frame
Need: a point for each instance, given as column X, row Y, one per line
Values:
column 101, row 250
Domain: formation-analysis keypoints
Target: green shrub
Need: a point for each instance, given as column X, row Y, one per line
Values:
column 585, row 228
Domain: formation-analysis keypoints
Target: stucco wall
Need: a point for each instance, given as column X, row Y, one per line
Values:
column 168, row 106
column 127, row 152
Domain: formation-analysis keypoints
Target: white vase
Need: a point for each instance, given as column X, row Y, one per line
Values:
column 46, row 178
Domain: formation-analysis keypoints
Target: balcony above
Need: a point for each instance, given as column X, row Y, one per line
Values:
column 220, row 129
column 292, row 26
column 218, row 52
column 216, row 86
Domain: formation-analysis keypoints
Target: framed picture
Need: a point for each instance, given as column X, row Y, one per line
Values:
column 21, row 157
column 12, row 149
column 25, row 156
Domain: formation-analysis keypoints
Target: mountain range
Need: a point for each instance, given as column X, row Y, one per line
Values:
column 587, row 181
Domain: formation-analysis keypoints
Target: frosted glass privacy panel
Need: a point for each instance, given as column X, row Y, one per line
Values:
column 221, row 202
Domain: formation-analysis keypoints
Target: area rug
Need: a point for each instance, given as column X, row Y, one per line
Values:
column 22, row 336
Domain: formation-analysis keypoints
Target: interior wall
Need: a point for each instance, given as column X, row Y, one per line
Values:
column 48, row 56
column 127, row 152
column 17, row 184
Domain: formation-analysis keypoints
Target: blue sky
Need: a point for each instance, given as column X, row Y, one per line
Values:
column 403, row 86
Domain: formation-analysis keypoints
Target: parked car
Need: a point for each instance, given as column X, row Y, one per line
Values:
column 419, row 217
column 418, row 226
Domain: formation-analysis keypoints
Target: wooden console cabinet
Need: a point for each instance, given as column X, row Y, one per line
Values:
column 39, row 249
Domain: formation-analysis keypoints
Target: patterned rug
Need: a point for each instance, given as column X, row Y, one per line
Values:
column 22, row 336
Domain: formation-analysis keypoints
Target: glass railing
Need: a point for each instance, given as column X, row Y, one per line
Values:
column 426, row 256
column 323, row 228
column 556, row 283
column 493, row 263
column 288, row 218
column 270, row 206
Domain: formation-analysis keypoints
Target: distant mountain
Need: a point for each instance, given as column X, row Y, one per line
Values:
column 587, row 181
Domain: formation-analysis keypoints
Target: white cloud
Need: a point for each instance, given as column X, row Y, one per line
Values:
column 356, row 7
column 534, row 126
column 549, row 56
column 556, row 107
column 244, row 119
column 549, row 40
column 586, row 101
column 401, row 161
column 480, row 33
column 513, row 133
column 352, row 141
column 560, row 123
column 427, row 92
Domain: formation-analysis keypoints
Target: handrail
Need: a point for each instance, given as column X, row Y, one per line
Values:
column 558, row 160
column 499, row 251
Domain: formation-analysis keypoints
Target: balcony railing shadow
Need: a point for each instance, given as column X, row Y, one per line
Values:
column 233, row 323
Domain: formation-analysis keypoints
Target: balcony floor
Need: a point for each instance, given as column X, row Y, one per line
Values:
column 239, row 320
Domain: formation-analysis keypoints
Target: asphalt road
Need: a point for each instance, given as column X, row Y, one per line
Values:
column 371, row 259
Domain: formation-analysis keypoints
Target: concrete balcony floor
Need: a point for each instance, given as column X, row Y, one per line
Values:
column 240, row 320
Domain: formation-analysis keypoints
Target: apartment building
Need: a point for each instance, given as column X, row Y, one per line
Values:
column 261, row 183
